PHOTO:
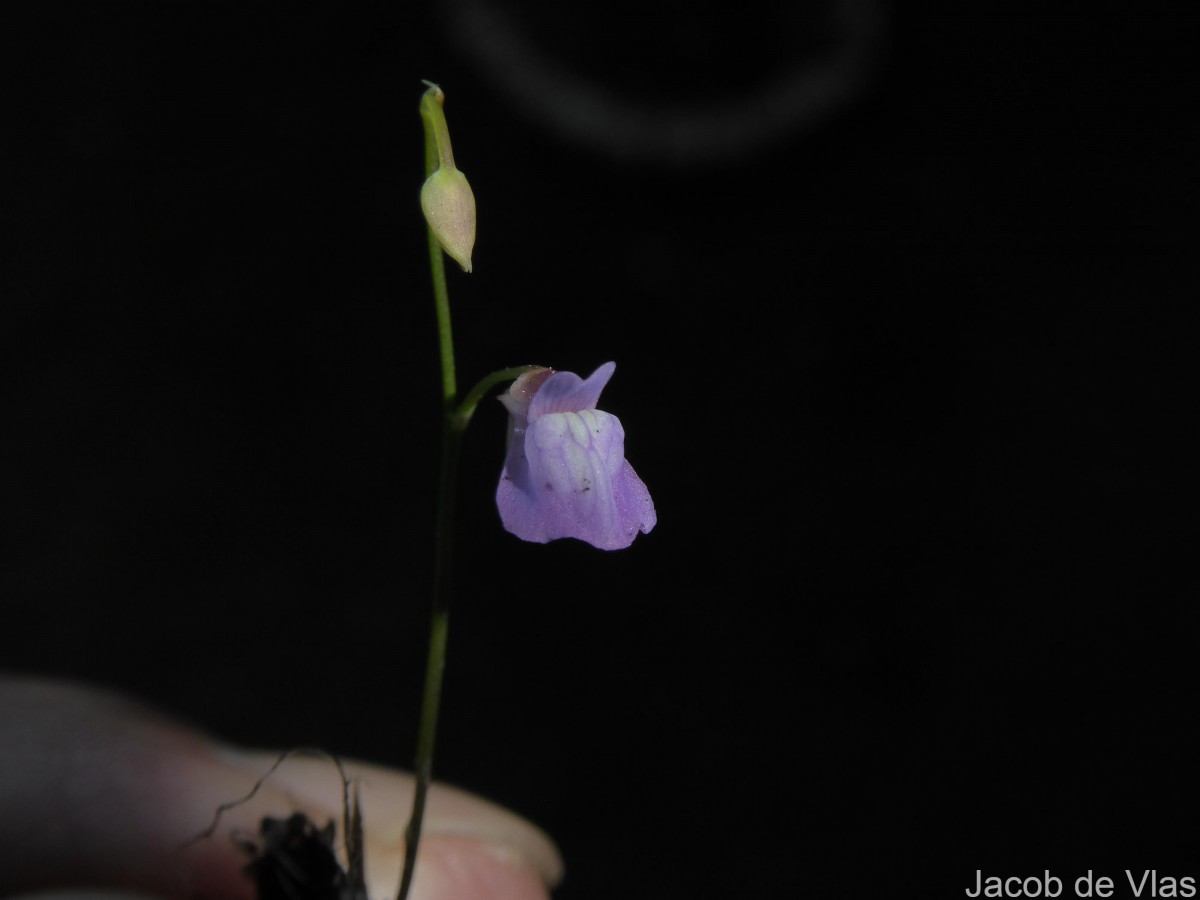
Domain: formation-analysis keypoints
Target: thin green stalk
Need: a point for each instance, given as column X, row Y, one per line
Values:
column 455, row 419
column 466, row 409
column 439, row 628
column 454, row 426
column 435, row 128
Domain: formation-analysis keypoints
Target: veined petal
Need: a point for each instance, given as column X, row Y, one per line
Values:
column 574, row 480
column 567, row 392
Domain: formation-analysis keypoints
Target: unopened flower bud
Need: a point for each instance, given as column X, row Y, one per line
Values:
column 449, row 207
column 446, row 198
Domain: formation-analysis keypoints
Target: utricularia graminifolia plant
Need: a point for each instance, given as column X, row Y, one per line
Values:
column 565, row 474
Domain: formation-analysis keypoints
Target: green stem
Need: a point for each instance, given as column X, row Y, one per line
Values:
column 466, row 409
column 431, row 115
column 437, row 144
column 455, row 418
column 435, row 127
column 454, row 426
column 441, row 303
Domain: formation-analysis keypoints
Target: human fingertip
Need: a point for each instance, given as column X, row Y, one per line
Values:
column 386, row 797
column 464, row 868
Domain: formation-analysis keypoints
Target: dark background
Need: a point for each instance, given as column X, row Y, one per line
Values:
column 898, row 298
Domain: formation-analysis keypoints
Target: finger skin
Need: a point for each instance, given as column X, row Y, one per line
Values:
column 315, row 787
column 98, row 791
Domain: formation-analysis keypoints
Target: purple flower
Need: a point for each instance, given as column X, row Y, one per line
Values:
column 566, row 474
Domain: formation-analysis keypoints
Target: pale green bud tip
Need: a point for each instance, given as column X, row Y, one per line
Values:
column 449, row 208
